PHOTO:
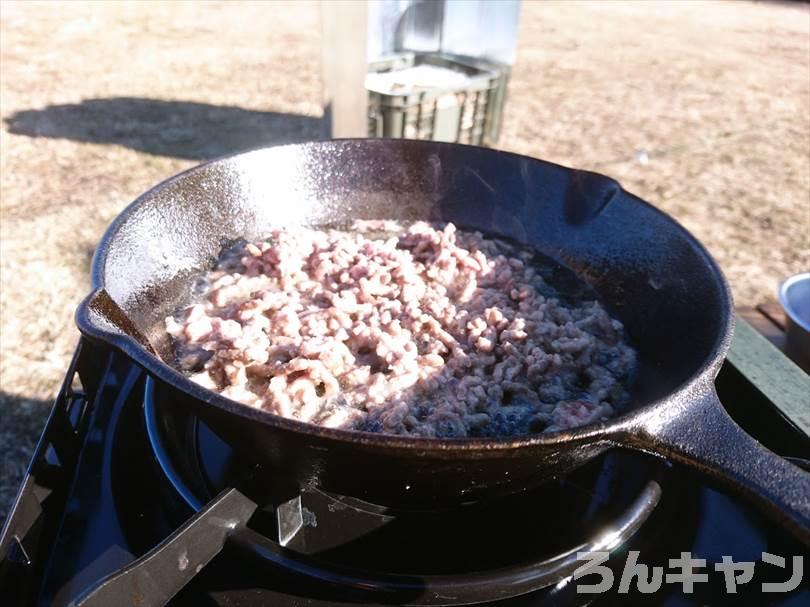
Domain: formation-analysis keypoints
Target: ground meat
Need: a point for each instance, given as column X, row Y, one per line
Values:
column 423, row 331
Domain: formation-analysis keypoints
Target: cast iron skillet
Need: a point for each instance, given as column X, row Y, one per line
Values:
column 654, row 275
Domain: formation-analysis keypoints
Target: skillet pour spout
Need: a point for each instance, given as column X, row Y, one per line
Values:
column 652, row 274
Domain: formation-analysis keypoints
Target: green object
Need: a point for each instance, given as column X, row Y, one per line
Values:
column 473, row 117
column 779, row 379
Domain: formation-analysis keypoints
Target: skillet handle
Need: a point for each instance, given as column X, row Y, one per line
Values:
column 709, row 440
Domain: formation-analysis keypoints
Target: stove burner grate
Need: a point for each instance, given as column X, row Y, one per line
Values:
column 345, row 545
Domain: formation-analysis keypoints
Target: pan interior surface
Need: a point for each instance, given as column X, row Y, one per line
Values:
column 648, row 270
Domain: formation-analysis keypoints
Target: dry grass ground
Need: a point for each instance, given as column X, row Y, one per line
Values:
column 99, row 101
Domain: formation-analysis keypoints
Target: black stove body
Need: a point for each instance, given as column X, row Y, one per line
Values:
column 125, row 504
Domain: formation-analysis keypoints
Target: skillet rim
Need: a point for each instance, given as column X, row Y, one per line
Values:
column 157, row 369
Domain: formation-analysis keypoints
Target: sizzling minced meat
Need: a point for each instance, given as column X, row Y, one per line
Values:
column 426, row 332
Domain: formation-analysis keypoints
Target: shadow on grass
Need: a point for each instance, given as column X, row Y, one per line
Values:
column 180, row 129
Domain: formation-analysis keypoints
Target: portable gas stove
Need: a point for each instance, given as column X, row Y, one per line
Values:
column 124, row 505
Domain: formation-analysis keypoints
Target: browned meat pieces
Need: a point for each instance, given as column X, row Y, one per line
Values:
column 419, row 331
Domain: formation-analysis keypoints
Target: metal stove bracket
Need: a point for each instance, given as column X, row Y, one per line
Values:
column 156, row 577
column 290, row 519
column 50, row 472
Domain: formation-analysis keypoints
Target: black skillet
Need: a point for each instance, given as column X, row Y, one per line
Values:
column 654, row 275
